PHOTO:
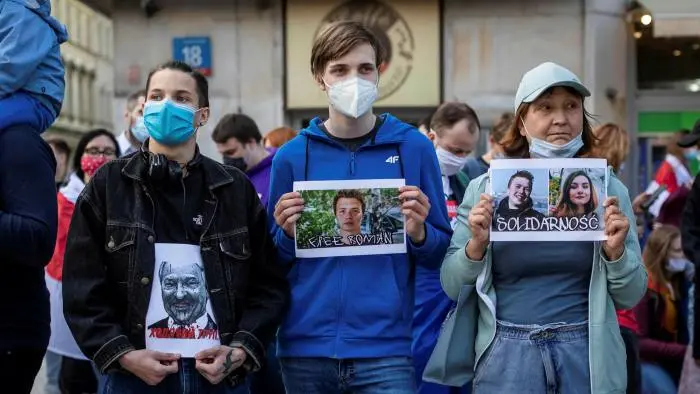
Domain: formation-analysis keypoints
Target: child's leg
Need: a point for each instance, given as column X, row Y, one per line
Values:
column 22, row 108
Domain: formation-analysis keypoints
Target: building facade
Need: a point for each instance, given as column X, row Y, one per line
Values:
column 88, row 58
column 484, row 47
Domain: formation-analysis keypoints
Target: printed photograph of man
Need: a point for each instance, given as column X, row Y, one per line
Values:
column 185, row 297
column 518, row 202
column 349, row 208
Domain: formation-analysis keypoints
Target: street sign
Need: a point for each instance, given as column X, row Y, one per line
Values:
column 195, row 51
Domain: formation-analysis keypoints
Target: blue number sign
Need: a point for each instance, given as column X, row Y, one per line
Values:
column 195, row 51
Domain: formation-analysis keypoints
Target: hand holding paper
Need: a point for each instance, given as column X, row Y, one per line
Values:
column 415, row 206
column 149, row 365
column 480, row 224
column 288, row 210
column 216, row 363
column 616, row 228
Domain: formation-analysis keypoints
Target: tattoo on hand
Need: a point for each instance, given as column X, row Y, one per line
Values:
column 228, row 363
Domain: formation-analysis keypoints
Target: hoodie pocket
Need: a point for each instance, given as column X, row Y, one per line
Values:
column 375, row 302
column 315, row 299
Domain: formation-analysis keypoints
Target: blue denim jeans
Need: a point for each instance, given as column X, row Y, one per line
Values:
column 535, row 359
column 655, row 380
column 390, row 375
column 187, row 381
column 53, row 371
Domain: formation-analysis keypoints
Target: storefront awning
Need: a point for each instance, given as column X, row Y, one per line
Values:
column 675, row 17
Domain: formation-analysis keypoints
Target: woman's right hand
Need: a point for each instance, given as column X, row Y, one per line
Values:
column 287, row 211
column 480, row 224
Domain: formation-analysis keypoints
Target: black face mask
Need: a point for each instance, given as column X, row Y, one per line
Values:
column 237, row 162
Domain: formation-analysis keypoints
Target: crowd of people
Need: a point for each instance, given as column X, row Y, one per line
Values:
column 157, row 269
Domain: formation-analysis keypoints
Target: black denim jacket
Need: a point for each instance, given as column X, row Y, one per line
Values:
column 110, row 255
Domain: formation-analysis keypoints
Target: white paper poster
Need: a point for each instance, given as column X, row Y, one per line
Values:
column 548, row 199
column 350, row 218
column 180, row 318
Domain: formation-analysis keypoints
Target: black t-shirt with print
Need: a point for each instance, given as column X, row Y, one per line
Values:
column 179, row 207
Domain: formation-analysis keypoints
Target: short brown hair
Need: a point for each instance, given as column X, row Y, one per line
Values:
column 501, row 126
column 337, row 40
column 349, row 193
column 612, row 144
column 450, row 113
column 515, row 145
column 279, row 136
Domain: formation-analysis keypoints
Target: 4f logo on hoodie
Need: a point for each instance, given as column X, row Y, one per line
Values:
column 392, row 159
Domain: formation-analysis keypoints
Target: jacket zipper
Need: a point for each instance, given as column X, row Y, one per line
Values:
column 184, row 207
column 352, row 163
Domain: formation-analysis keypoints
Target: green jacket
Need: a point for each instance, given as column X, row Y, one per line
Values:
column 614, row 285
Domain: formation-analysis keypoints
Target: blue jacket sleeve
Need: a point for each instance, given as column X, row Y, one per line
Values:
column 28, row 205
column 281, row 182
column 25, row 41
column 437, row 224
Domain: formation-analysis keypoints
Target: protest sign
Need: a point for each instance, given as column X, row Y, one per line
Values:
column 548, row 199
column 180, row 318
column 349, row 218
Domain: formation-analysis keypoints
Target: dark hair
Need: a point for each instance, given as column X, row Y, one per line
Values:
column 515, row 145
column 501, row 126
column 238, row 126
column 337, row 40
column 199, row 79
column 425, row 122
column 60, row 145
column 566, row 207
column 84, row 140
column 522, row 174
column 352, row 193
column 133, row 98
column 450, row 113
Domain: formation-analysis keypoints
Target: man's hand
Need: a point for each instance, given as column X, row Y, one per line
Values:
column 287, row 211
column 216, row 363
column 639, row 201
column 150, row 366
column 415, row 206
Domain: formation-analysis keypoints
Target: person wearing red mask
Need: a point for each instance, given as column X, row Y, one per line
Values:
column 71, row 369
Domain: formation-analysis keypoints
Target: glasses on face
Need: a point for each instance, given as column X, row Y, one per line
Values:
column 94, row 151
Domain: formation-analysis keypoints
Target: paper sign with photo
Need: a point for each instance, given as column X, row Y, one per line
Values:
column 180, row 318
column 548, row 199
column 350, row 218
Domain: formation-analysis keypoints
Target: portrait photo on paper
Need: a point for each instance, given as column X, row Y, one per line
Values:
column 349, row 218
column 548, row 199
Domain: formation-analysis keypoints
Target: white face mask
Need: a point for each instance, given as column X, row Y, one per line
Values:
column 541, row 149
column 677, row 265
column 353, row 96
column 450, row 164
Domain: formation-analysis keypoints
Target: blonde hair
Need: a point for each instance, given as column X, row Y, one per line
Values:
column 612, row 144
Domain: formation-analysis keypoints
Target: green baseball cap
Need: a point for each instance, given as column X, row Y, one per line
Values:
column 546, row 75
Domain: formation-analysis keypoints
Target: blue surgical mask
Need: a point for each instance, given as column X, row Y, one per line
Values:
column 541, row 149
column 690, row 154
column 169, row 123
column 138, row 130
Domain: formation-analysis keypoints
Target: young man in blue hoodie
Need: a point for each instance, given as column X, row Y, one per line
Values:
column 349, row 327
column 31, row 71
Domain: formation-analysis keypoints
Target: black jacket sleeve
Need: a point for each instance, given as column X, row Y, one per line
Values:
column 690, row 234
column 28, row 205
column 86, row 300
column 268, row 290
